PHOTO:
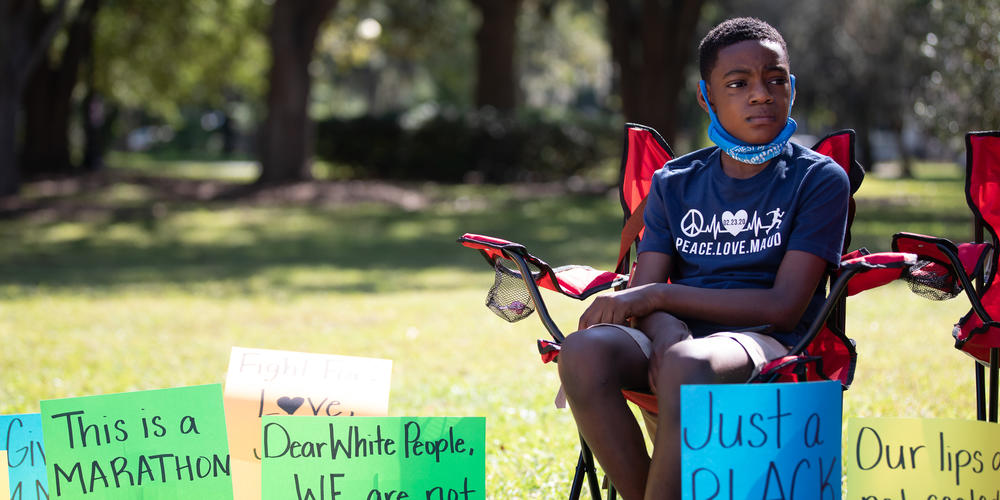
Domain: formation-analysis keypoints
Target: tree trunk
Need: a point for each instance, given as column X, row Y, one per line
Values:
column 496, row 39
column 10, row 177
column 47, row 100
column 865, row 152
column 46, row 106
column 651, row 44
column 905, row 158
column 228, row 132
column 22, row 46
column 286, row 137
column 96, row 119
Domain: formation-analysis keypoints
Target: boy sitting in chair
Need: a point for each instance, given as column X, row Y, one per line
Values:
column 744, row 232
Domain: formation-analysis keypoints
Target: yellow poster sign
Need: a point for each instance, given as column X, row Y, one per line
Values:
column 4, row 479
column 263, row 382
column 922, row 459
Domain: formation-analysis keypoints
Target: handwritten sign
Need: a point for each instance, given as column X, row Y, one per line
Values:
column 932, row 459
column 761, row 441
column 21, row 440
column 374, row 458
column 166, row 443
column 4, row 478
column 263, row 382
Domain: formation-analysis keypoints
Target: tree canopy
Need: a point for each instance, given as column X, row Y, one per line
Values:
column 159, row 56
column 899, row 68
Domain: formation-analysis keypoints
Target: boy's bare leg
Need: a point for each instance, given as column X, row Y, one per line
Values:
column 713, row 360
column 594, row 365
column 665, row 331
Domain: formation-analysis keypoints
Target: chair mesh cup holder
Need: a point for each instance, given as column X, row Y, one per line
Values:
column 932, row 281
column 509, row 297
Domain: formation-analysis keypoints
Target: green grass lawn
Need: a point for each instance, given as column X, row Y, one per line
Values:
column 155, row 295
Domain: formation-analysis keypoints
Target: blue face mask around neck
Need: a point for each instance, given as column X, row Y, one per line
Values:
column 754, row 154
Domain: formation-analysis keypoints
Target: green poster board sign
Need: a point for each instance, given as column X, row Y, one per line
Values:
column 159, row 444
column 374, row 458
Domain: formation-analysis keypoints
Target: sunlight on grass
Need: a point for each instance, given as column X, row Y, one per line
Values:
column 933, row 203
column 907, row 366
column 157, row 299
column 212, row 168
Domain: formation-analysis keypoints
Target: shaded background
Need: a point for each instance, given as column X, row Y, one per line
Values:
column 459, row 90
column 154, row 144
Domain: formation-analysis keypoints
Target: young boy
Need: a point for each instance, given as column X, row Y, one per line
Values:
column 744, row 231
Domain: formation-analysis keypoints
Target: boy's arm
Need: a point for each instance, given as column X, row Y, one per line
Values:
column 782, row 305
column 651, row 267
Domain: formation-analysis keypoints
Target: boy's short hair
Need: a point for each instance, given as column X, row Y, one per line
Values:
column 731, row 32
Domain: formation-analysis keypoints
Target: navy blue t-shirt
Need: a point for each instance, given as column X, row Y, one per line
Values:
column 733, row 233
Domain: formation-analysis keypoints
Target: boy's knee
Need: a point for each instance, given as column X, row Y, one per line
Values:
column 582, row 349
column 588, row 345
column 591, row 356
column 679, row 366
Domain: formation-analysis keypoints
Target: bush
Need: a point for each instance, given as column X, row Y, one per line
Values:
column 482, row 146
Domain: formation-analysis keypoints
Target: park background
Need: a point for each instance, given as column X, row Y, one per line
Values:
column 181, row 177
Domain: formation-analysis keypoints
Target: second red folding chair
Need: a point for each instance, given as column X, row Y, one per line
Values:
column 970, row 267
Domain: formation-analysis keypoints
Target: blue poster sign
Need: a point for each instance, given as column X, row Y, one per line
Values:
column 761, row 441
column 21, row 437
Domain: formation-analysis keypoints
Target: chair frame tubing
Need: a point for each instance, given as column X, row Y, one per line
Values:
column 986, row 393
column 536, row 295
column 984, row 400
column 585, row 466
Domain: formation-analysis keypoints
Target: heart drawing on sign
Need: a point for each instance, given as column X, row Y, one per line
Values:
column 290, row 404
column 734, row 223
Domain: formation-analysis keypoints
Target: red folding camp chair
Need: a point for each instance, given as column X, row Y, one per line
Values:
column 971, row 267
column 825, row 353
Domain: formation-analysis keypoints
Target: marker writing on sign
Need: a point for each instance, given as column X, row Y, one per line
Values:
column 328, row 483
column 278, row 443
column 91, row 434
column 872, row 452
column 19, row 454
column 810, row 478
column 119, row 472
column 270, row 367
column 757, row 437
column 289, row 405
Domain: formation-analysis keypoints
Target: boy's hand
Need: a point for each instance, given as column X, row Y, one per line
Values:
column 619, row 307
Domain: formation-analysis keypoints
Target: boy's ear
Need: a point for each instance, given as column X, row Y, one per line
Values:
column 702, row 100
